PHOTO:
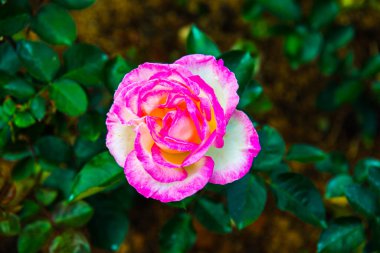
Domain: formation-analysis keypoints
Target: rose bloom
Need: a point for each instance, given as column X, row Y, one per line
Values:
column 174, row 128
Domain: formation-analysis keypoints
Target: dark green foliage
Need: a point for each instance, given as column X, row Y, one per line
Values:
column 115, row 71
column 199, row 43
column 297, row 194
column 39, row 59
column 53, row 149
column 69, row 97
column 305, row 153
column 99, row 173
column 363, row 200
column 72, row 215
column 242, row 64
column 84, row 64
column 34, row 236
column 9, row 225
column 14, row 16
column 246, row 200
column 56, row 90
column 213, row 216
column 110, row 223
column 272, row 149
column 54, row 25
column 178, row 235
column 342, row 235
column 337, row 185
column 70, row 241
column 75, row 4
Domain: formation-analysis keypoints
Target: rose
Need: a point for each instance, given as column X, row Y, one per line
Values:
column 175, row 127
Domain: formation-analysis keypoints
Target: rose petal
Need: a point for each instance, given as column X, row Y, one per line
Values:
column 143, row 147
column 241, row 145
column 147, row 71
column 120, row 138
column 198, row 176
column 215, row 74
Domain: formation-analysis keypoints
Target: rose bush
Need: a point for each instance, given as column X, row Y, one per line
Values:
column 175, row 127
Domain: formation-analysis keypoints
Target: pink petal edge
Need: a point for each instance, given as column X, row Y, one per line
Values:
column 198, row 176
column 241, row 145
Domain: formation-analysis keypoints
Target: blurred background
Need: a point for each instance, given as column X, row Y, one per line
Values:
column 318, row 87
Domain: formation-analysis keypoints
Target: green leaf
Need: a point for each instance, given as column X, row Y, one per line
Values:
column 374, row 244
column 183, row 204
column 24, row 119
column 109, row 226
column 72, row 215
column 178, row 235
column 348, row 92
column 39, row 59
column 70, row 241
column 38, row 107
column 29, row 209
column 75, row 4
column 213, row 216
column 4, row 135
column 338, row 37
column 69, row 97
column 199, row 43
column 251, row 94
column 305, row 153
column 337, row 185
column 246, row 200
column 18, row 88
column 371, row 67
column 99, row 173
column 85, row 149
column 242, row 64
column 14, row 16
column 363, row 166
column 374, row 178
column 34, row 236
column 53, row 148
column 328, row 64
column 302, row 46
column 323, row 13
column 54, row 25
column 91, row 126
column 342, row 235
column 285, row 9
column 84, row 64
column 9, row 61
column 9, row 106
column 115, row 71
column 9, row 225
column 24, row 169
column 297, row 194
column 45, row 196
column 272, row 149
column 363, row 200
column 12, row 25
column 61, row 179
column 335, row 163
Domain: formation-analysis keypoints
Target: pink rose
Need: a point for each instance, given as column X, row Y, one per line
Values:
column 174, row 128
